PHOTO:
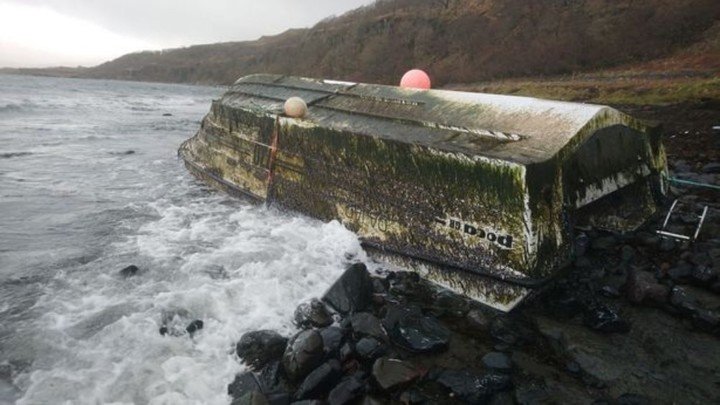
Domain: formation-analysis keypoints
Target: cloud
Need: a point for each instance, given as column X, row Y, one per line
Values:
column 172, row 23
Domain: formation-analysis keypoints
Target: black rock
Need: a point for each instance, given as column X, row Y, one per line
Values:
column 609, row 291
column 683, row 302
column 411, row 330
column 129, row 271
column 352, row 292
column 582, row 242
column 380, row 285
column 647, row 239
column 278, row 398
column 477, row 321
column 167, row 115
column 369, row 348
column 667, row 245
column 303, row 354
column 393, row 373
column 473, row 388
column 497, row 361
column 603, row 319
column 194, row 326
column 312, row 314
column 703, row 275
column 451, row 304
column 259, row 348
column 642, row 286
column 711, row 168
column 272, row 379
column 633, row 399
column 163, row 330
column 347, row 351
column 347, row 391
column 251, row 398
column 706, row 320
column 309, row 402
column 604, row 243
column 243, row 384
column 627, row 254
column 332, row 338
column 504, row 330
column 320, row 381
column 366, row 324
column 413, row 397
column 682, row 271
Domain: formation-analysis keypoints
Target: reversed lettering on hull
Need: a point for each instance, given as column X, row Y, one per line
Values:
column 500, row 239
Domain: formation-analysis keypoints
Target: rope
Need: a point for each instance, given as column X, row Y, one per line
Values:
column 693, row 183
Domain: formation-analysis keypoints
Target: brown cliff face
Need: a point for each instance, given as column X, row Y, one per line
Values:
column 457, row 40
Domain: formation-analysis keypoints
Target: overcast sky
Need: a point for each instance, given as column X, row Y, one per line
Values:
column 38, row 33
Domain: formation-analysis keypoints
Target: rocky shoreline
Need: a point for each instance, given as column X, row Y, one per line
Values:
column 635, row 320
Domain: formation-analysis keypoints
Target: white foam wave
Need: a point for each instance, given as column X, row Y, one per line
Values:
column 236, row 267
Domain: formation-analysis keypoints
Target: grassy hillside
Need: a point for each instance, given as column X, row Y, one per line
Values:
column 458, row 41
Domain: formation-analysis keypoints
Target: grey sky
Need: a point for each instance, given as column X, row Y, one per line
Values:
column 77, row 29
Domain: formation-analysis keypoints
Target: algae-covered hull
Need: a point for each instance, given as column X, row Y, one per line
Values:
column 480, row 193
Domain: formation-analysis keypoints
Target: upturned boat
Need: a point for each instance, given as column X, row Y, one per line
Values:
column 480, row 193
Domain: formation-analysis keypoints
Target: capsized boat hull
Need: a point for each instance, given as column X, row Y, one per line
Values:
column 479, row 193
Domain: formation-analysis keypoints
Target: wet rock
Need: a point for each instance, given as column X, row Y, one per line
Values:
column 647, row 239
column 129, row 271
column 582, row 243
column 352, row 292
column 477, row 321
column 272, row 379
column 681, row 272
column 380, row 285
column 320, row 381
column 633, row 399
column 502, row 398
column 243, row 384
column 497, row 361
column 451, row 304
column 163, row 330
column 609, row 291
column 711, row 168
column 503, row 330
column 258, row 348
column 411, row 330
column 347, row 351
column 683, row 302
column 167, row 115
column 391, row 374
column 332, row 338
column 627, row 254
column 667, row 245
column 303, row 354
column 412, row 397
column 278, row 398
column 347, row 391
column 604, row 243
column 473, row 388
column 251, row 398
column 366, row 324
column 706, row 320
column 703, row 275
column 642, row 286
column 602, row 318
column 194, row 326
column 369, row 348
column 312, row 314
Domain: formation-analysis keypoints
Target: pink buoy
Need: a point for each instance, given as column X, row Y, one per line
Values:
column 415, row 79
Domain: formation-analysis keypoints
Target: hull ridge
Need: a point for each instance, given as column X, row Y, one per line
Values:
column 479, row 193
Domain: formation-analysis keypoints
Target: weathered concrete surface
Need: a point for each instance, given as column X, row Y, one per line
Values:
column 483, row 184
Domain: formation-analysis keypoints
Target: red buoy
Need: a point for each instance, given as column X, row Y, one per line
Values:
column 415, row 79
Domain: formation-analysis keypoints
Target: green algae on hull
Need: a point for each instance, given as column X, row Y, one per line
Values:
column 482, row 189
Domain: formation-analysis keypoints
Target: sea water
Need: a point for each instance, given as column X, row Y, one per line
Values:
column 90, row 183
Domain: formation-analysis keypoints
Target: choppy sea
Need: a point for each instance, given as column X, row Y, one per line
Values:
column 90, row 183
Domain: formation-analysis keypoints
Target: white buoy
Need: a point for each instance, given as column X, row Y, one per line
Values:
column 295, row 107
